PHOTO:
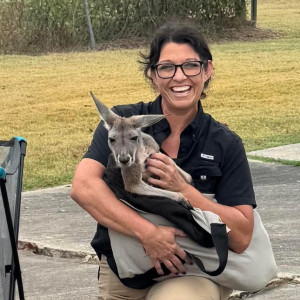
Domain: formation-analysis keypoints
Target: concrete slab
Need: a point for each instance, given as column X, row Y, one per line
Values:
column 51, row 219
column 54, row 278
column 289, row 291
column 277, row 189
column 287, row 152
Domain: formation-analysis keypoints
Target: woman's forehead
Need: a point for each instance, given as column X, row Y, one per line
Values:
column 174, row 52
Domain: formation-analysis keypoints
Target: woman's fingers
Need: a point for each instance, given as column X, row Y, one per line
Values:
column 161, row 247
column 184, row 257
column 165, row 173
column 160, row 161
column 158, row 267
column 174, row 265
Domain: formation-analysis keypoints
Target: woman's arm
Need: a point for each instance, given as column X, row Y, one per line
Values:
column 238, row 218
column 91, row 192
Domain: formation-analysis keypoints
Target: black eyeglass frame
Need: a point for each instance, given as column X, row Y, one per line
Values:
column 178, row 66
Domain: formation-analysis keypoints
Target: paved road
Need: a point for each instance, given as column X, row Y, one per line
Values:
column 53, row 225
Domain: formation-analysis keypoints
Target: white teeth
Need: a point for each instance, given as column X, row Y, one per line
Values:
column 180, row 88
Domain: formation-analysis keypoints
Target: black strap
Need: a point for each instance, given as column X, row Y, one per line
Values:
column 220, row 239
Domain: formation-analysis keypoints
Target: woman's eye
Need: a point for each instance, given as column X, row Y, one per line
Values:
column 111, row 140
column 166, row 67
column 191, row 65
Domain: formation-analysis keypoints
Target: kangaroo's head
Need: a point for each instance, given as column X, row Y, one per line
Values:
column 124, row 134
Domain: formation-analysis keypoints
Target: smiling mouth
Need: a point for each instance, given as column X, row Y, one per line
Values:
column 180, row 90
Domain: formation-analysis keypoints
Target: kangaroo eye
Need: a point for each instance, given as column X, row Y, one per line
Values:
column 111, row 140
column 134, row 138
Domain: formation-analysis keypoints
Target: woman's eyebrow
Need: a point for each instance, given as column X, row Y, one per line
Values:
column 165, row 61
column 170, row 61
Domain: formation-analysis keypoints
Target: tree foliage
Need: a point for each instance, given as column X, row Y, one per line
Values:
column 49, row 25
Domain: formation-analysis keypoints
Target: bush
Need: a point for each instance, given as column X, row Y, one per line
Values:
column 50, row 25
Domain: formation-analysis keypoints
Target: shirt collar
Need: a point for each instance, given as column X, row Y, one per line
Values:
column 162, row 125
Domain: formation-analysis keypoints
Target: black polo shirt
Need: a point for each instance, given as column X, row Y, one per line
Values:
column 209, row 151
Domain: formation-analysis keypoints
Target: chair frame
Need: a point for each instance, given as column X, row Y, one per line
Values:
column 13, row 227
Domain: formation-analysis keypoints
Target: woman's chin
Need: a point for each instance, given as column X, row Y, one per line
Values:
column 182, row 103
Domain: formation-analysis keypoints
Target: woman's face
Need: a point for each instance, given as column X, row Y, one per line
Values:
column 180, row 92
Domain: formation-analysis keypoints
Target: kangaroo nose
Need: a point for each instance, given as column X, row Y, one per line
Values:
column 124, row 159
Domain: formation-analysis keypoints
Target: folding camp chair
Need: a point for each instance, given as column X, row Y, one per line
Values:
column 11, row 172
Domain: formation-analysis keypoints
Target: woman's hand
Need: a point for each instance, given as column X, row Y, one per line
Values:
column 166, row 174
column 161, row 247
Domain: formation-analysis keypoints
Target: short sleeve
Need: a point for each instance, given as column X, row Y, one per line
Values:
column 235, row 186
column 99, row 150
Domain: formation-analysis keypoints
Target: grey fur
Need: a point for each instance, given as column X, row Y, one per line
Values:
column 131, row 147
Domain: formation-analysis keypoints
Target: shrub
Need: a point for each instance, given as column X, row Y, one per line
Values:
column 49, row 25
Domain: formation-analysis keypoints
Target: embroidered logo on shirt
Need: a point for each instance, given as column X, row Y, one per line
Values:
column 206, row 156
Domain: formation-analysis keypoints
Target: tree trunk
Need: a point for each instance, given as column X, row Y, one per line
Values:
column 90, row 28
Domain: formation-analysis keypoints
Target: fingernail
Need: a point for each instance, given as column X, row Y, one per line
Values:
column 177, row 273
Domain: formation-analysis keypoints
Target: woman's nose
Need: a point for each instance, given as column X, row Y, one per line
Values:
column 179, row 74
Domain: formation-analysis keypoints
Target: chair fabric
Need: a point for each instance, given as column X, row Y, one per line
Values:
column 12, row 155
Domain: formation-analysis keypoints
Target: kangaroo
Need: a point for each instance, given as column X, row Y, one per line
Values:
column 131, row 147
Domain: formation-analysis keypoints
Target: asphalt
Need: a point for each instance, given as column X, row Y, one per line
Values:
column 58, row 262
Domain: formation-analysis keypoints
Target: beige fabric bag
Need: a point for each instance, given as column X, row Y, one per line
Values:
column 249, row 271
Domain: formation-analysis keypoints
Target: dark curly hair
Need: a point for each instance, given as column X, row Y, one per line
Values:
column 177, row 33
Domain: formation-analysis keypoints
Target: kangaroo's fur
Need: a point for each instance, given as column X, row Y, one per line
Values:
column 131, row 147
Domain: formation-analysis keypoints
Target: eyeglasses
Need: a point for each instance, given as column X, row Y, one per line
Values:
column 189, row 68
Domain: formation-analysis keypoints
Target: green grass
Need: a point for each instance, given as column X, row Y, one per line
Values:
column 45, row 99
column 277, row 161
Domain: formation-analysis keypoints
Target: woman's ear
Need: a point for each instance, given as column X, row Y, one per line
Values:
column 209, row 70
column 153, row 79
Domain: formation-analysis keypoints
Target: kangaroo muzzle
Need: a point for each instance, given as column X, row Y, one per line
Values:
column 125, row 159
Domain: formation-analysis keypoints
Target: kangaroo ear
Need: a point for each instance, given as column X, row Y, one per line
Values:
column 107, row 115
column 146, row 120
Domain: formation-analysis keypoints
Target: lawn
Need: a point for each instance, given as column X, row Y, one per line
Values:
column 255, row 90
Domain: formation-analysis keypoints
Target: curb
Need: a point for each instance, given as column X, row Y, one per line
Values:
column 61, row 253
column 282, row 279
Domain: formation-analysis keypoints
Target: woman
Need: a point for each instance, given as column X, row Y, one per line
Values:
column 179, row 66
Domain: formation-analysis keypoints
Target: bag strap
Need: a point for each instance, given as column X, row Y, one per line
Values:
column 220, row 239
